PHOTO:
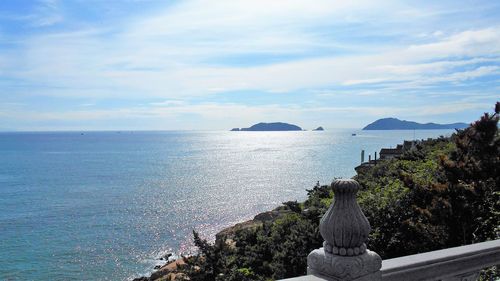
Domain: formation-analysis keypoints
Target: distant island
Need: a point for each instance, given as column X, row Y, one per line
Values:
column 396, row 124
column 319, row 129
column 276, row 126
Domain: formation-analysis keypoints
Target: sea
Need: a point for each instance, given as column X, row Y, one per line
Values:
column 107, row 205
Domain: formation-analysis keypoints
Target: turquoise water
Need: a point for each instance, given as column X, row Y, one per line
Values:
column 106, row 205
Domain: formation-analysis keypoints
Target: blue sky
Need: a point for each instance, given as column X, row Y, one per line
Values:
column 209, row 65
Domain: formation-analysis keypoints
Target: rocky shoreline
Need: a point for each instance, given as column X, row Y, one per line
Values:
column 171, row 270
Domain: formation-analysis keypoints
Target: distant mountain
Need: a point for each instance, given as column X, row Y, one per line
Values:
column 276, row 126
column 319, row 129
column 396, row 124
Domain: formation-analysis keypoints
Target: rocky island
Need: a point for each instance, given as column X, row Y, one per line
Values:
column 396, row 124
column 276, row 126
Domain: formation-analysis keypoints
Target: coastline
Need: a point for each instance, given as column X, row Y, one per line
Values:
column 169, row 270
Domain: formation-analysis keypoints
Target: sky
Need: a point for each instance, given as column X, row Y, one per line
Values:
column 219, row 64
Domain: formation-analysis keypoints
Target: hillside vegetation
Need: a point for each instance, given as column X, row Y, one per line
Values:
column 442, row 193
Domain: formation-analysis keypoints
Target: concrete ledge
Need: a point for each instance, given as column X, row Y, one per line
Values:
column 304, row 278
column 442, row 264
column 436, row 265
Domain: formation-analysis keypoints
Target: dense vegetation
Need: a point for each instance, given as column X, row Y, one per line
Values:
column 441, row 193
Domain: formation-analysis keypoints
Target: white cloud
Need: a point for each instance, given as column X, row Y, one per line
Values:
column 466, row 43
column 179, row 52
column 467, row 75
column 447, row 108
column 45, row 13
column 167, row 103
column 82, row 60
column 215, row 116
column 173, row 43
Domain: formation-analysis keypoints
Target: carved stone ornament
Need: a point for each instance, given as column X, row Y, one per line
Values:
column 345, row 230
column 344, row 226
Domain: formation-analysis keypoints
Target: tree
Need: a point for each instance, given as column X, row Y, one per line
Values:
column 473, row 177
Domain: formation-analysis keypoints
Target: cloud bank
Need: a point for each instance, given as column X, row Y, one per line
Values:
column 202, row 64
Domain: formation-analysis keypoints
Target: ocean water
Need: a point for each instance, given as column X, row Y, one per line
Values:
column 106, row 205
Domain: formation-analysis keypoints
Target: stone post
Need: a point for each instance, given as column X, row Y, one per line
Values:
column 345, row 230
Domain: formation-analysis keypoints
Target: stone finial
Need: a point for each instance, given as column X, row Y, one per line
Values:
column 345, row 230
column 344, row 227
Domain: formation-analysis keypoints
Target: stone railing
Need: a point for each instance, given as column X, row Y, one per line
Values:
column 344, row 255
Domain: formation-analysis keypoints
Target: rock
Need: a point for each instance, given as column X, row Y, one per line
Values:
column 158, row 274
column 143, row 278
column 235, row 129
column 166, row 272
column 319, row 129
column 157, row 267
column 226, row 235
column 166, row 257
column 270, row 215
